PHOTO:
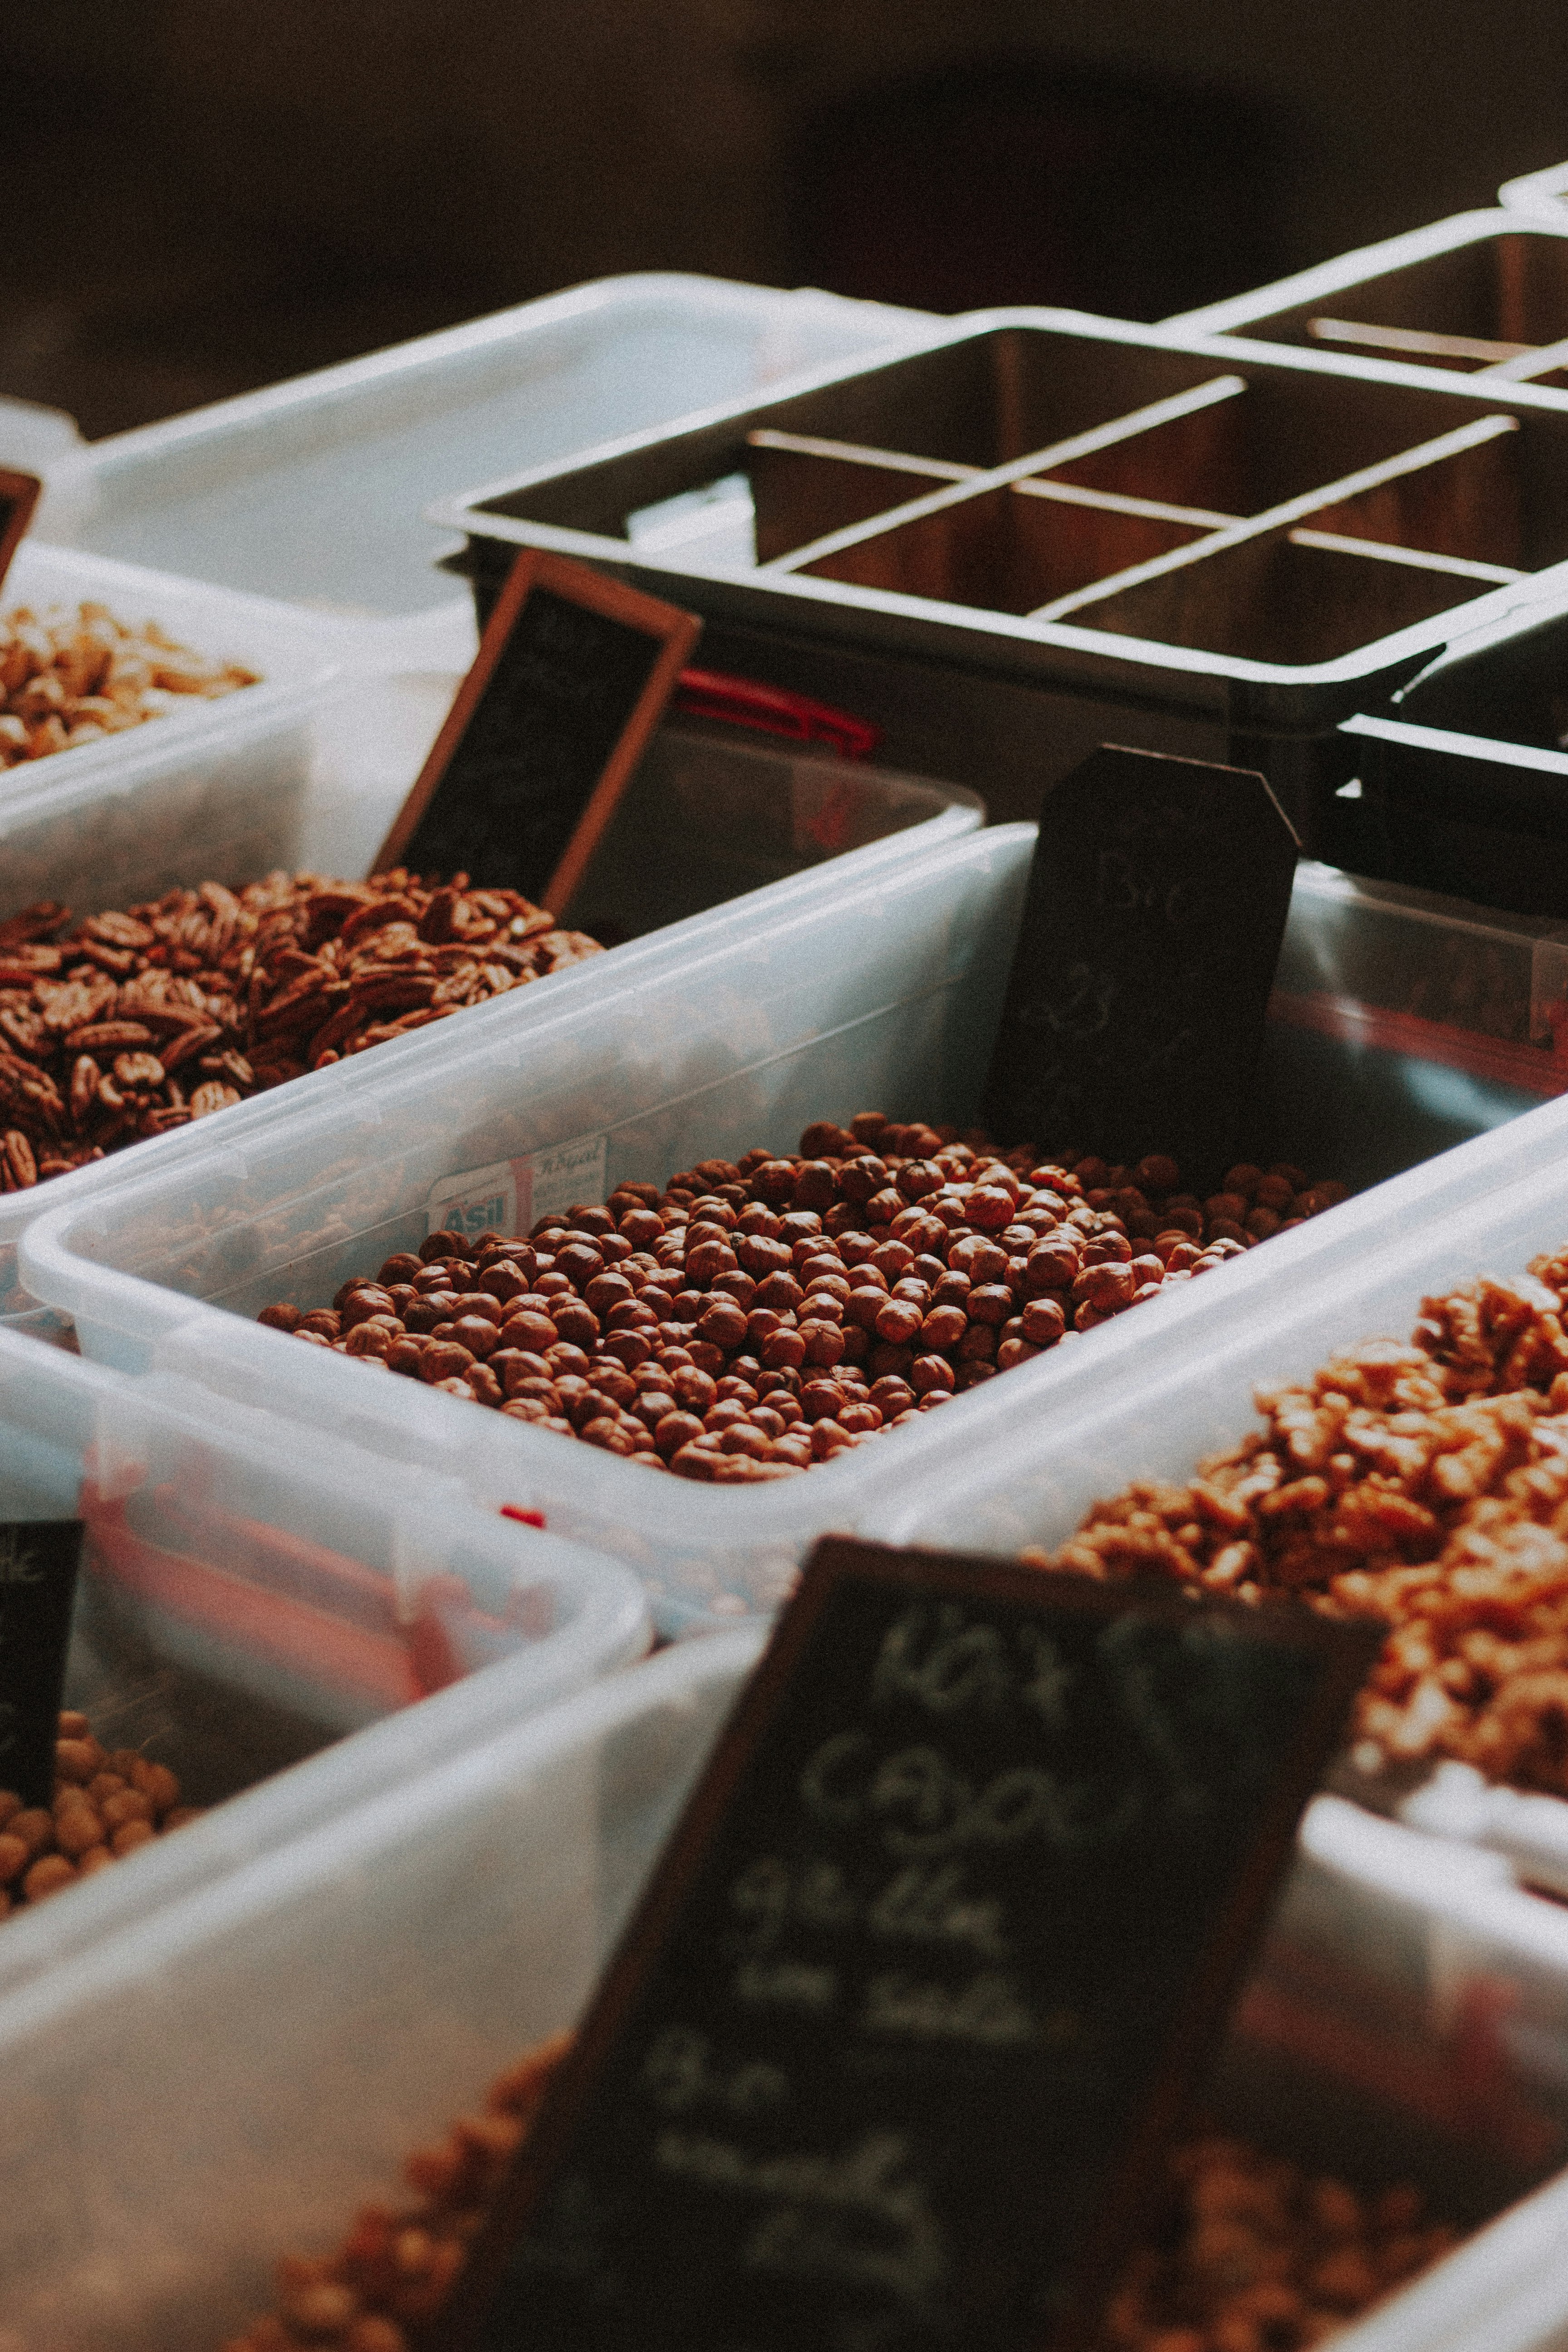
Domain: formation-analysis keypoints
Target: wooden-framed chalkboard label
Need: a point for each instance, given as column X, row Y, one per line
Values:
column 572, row 677
column 1151, row 926
column 19, row 494
column 38, row 1563
column 892, row 2049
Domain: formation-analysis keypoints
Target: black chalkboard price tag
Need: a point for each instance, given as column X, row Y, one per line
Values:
column 1152, row 927
column 889, row 2056
column 19, row 494
column 570, row 679
column 38, row 1563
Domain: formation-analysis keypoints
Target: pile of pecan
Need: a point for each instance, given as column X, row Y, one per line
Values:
column 127, row 1024
column 72, row 676
column 754, row 1318
column 1261, row 2256
column 1426, row 1484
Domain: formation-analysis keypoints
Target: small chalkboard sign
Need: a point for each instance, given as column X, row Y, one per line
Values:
column 19, row 494
column 891, row 2053
column 572, row 677
column 38, row 1563
column 1139, row 982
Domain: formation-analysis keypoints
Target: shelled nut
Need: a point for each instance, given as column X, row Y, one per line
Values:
column 754, row 1318
column 74, row 674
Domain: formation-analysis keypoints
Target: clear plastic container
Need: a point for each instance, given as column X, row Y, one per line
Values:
column 313, row 488
column 230, row 2080
column 1486, row 1208
column 884, row 993
column 251, row 1593
column 1040, row 529
column 222, row 783
column 1438, row 1018
column 714, row 836
column 885, row 988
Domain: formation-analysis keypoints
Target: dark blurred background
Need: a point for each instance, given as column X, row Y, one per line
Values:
column 203, row 195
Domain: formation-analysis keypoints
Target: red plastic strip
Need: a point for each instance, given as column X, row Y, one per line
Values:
column 321, row 1648
column 771, row 710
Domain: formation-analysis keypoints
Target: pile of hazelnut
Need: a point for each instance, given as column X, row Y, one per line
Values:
column 750, row 1318
column 107, row 1802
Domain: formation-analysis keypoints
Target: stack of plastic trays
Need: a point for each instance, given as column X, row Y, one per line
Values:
column 711, row 832
column 884, row 995
column 1485, row 294
column 251, row 1593
column 338, row 2003
column 312, row 489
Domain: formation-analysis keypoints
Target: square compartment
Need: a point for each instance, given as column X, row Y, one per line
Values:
column 1283, row 597
column 1007, row 550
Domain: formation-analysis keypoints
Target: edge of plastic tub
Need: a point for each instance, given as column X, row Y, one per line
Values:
column 1022, row 1492
column 625, row 966
column 722, row 296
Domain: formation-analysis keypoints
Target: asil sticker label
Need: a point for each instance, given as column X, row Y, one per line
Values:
column 510, row 1195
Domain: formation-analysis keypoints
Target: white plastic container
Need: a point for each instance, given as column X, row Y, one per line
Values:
column 884, row 993
column 312, row 490
column 230, row 2080
column 715, row 835
column 252, row 1591
column 884, row 989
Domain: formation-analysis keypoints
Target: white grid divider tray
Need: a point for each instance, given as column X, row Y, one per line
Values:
column 1488, row 1207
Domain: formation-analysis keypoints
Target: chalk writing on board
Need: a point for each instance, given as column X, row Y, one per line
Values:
column 1152, row 927
column 38, row 1563
column 571, row 675
column 953, row 1912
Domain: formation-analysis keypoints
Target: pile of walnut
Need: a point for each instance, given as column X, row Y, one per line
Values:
column 1265, row 2258
column 1426, row 1484
column 127, row 1024
column 1261, row 2258
column 755, row 1318
column 72, row 675
column 107, row 1802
